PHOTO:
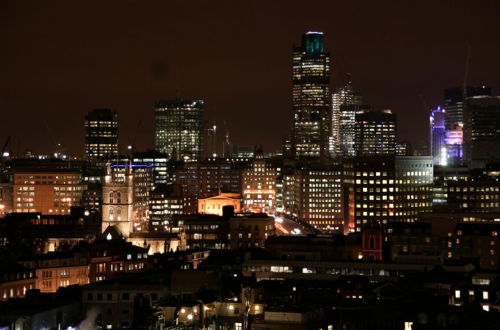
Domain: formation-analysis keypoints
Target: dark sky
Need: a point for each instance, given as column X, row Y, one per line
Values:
column 59, row 59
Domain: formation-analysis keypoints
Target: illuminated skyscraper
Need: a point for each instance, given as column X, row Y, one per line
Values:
column 311, row 98
column 179, row 129
column 345, row 103
column 375, row 133
column 437, row 136
column 101, row 135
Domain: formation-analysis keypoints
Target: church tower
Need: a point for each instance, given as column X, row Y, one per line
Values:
column 117, row 196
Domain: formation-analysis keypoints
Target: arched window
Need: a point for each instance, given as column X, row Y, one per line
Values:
column 111, row 197
column 118, row 197
column 371, row 242
column 111, row 214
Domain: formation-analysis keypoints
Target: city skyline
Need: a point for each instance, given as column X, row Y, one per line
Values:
column 404, row 62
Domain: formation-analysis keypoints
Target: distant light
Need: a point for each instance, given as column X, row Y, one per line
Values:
column 231, row 307
column 314, row 32
column 6, row 154
column 129, row 147
column 109, row 237
column 190, row 316
column 86, row 213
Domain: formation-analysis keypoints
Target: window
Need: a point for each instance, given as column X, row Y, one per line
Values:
column 109, row 296
column 371, row 242
column 125, row 296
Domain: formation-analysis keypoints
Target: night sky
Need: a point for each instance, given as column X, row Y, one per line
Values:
column 60, row 59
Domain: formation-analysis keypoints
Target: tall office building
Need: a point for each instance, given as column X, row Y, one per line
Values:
column 375, row 133
column 179, row 129
column 311, row 98
column 482, row 130
column 454, row 118
column 437, row 136
column 101, row 135
column 454, row 106
column 345, row 103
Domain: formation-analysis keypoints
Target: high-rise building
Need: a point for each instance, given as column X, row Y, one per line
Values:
column 348, row 127
column 345, row 103
column 482, row 130
column 375, row 133
column 179, row 129
column 101, row 136
column 384, row 189
column 454, row 119
column 454, row 106
column 158, row 161
column 437, row 136
column 311, row 98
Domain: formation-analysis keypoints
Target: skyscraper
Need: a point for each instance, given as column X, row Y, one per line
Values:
column 345, row 103
column 375, row 133
column 101, row 135
column 437, row 136
column 179, row 129
column 453, row 103
column 482, row 130
column 311, row 98
column 454, row 118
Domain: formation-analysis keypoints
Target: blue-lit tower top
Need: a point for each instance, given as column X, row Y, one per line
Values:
column 313, row 43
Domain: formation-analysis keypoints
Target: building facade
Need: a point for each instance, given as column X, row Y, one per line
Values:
column 437, row 136
column 387, row 189
column 259, row 186
column 314, row 196
column 375, row 133
column 46, row 191
column 345, row 103
column 311, row 97
column 101, row 135
column 179, row 129
column 117, row 195
column 482, row 131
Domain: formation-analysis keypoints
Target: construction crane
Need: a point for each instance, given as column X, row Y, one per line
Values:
column 7, row 153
